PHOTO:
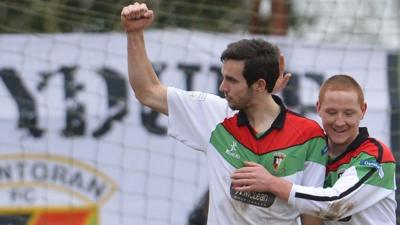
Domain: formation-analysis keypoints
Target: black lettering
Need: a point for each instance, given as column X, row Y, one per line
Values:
column 76, row 180
column 96, row 188
column 116, row 99
column 26, row 104
column 59, row 174
column 74, row 120
column 5, row 172
column 24, row 194
column 189, row 70
column 39, row 171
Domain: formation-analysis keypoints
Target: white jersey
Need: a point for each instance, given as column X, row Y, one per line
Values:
column 293, row 149
column 360, row 187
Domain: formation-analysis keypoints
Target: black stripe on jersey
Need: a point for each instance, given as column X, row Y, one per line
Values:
column 351, row 189
column 346, row 219
column 380, row 149
column 362, row 136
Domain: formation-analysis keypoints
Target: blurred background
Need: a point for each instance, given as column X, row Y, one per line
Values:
column 65, row 93
column 365, row 21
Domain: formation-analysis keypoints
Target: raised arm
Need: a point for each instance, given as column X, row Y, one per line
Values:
column 142, row 77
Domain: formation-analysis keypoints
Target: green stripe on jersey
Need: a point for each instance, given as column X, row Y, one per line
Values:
column 280, row 163
column 363, row 163
column 384, row 175
column 233, row 152
column 386, row 180
column 316, row 150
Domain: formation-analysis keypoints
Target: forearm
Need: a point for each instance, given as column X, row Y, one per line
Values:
column 280, row 188
column 142, row 77
column 141, row 74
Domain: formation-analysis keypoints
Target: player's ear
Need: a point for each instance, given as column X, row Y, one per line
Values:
column 363, row 109
column 260, row 85
column 318, row 107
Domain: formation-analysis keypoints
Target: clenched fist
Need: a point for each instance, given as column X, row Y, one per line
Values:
column 136, row 17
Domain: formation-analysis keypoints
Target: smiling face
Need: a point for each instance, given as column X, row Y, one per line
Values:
column 341, row 113
column 234, row 85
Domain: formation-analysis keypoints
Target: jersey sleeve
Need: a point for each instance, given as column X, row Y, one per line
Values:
column 192, row 116
column 361, row 185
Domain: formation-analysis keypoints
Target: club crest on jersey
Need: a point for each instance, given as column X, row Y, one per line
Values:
column 278, row 158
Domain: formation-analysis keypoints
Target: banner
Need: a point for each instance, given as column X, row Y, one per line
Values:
column 75, row 141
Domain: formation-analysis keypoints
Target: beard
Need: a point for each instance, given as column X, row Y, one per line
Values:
column 241, row 103
column 234, row 107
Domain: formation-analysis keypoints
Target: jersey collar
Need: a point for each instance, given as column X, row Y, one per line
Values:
column 362, row 136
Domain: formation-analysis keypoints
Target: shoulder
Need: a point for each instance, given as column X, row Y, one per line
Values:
column 198, row 104
column 193, row 95
column 307, row 127
column 376, row 149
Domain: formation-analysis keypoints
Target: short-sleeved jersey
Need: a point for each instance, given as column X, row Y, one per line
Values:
column 293, row 148
column 359, row 187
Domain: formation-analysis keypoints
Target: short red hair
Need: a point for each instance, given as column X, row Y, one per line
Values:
column 341, row 82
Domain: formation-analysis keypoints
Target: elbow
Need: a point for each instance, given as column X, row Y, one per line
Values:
column 139, row 92
column 141, row 97
column 150, row 96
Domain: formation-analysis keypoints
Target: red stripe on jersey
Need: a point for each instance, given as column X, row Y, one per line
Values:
column 296, row 131
column 367, row 147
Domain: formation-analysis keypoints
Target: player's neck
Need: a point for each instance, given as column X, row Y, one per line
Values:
column 335, row 150
column 262, row 113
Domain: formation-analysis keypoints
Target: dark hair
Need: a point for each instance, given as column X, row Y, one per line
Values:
column 261, row 60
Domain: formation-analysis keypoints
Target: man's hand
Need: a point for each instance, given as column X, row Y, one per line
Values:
column 283, row 78
column 136, row 17
column 253, row 177
column 281, row 83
